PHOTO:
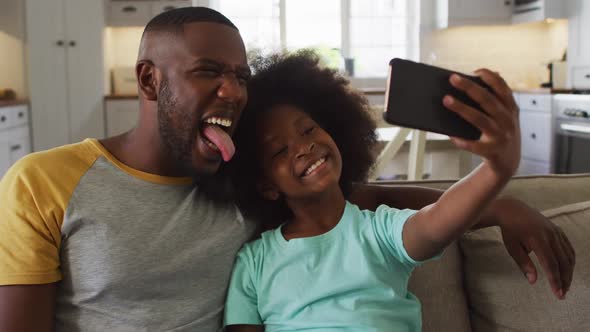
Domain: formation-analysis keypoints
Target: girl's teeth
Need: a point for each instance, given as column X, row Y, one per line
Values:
column 314, row 166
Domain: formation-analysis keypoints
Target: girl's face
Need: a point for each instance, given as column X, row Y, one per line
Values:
column 298, row 158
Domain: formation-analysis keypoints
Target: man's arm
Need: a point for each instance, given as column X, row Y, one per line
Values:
column 524, row 229
column 369, row 197
column 27, row 308
column 244, row 328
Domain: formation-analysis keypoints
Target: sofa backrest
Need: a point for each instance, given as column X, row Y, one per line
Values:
column 541, row 192
column 440, row 284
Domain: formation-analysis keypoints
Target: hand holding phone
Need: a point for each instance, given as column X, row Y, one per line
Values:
column 478, row 112
column 414, row 99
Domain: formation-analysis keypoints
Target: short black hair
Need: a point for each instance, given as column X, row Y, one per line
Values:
column 174, row 20
column 326, row 96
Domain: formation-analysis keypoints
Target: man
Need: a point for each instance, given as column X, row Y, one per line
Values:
column 114, row 235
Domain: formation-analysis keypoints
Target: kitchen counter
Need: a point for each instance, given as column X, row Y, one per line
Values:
column 540, row 91
column 372, row 91
column 545, row 91
column 5, row 103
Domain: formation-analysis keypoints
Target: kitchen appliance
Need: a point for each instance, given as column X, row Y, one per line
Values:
column 572, row 129
column 558, row 75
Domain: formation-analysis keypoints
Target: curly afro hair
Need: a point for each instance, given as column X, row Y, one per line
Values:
column 298, row 79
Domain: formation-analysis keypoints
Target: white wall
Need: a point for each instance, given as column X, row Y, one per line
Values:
column 121, row 48
column 12, row 46
column 519, row 52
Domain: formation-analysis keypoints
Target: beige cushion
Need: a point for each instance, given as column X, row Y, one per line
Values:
column 438, row 285
column 501, row 299
column 541, row 192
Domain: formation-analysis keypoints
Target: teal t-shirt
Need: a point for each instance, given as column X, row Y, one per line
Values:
column 352, row 278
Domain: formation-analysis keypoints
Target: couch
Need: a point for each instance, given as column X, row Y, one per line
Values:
column 476, row 286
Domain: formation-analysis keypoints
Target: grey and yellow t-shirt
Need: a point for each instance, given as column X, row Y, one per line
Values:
column 131, row 251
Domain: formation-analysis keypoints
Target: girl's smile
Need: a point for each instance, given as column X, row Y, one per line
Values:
column 317, row 166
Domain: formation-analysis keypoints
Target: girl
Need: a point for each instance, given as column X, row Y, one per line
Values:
column 324, row 264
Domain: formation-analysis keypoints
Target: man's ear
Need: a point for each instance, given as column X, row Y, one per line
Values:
column 268, row 191
column 146, row 79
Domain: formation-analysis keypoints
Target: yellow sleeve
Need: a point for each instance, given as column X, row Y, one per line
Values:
column 33, row 198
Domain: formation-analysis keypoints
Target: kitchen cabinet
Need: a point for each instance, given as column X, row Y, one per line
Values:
column 120, row 115
column 66, row 81
column 452, row 13
column 138, row 13
column 15, row 139
column 537, row 135
column 578, row 51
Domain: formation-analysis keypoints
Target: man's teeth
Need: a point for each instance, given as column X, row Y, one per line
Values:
column 219, row 121
column 314, row 166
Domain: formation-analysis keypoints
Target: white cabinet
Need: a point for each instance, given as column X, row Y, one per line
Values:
column 472, row 12
column 578, row 51
column 120, row 115
column 164, row 6
column 532, row 167
column 128, row 13
column 15, row 140
column 138, row 13
column 537, row 135
column 65, row 44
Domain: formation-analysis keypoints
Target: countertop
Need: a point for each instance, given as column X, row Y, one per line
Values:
column 5, row 103
column 380, row 91
column 372, row 91
column 544, row 91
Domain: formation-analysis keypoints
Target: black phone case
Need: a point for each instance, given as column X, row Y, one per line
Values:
column 414, row 99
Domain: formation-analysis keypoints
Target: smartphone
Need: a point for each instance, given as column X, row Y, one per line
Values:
column 414, row 99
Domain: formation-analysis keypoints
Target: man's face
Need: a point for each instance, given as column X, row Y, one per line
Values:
column 201, row 95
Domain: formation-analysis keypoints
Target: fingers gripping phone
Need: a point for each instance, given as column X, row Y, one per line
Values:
column 414, row 98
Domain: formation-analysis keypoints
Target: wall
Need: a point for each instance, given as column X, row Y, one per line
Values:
column 12, row 46
column 519, row 52
column 121, row 48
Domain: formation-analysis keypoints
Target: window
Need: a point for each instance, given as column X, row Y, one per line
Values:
column 312, row 23
column 258, row 21
column 379, row 31
column 368, row 32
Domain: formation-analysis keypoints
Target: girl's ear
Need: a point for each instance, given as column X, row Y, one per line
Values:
column 268, row 191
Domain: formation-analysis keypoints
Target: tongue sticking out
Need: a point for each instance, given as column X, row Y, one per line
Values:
column 221, row 139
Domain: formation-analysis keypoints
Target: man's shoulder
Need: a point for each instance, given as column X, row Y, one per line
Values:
column 64, row 164
column 62, row 157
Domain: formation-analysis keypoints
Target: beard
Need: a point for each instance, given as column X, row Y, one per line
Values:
column 178, row 130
